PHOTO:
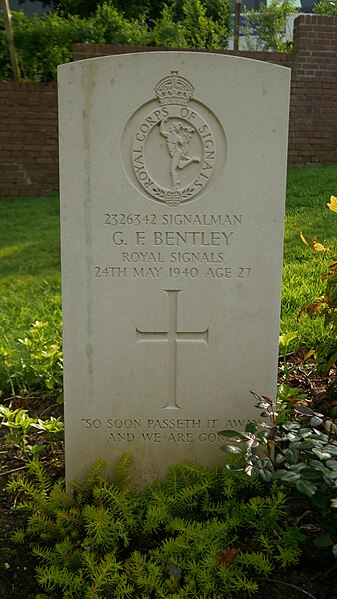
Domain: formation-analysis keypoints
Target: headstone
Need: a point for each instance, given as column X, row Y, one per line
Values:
column 172, row 187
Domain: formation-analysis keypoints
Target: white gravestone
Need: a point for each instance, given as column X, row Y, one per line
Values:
column 172, row 190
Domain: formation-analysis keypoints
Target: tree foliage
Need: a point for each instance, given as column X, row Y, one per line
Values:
column 186, row 24
column 326, row 7
column 269, row 25
column 44, row 42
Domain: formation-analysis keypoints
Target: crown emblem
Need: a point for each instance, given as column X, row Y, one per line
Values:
column 174, row 89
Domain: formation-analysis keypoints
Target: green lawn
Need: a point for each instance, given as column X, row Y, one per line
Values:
column 29, row 261
column 308, row 192
column 30, row 274
column 30, row 291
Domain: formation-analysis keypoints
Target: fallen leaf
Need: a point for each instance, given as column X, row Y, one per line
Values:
column 304, row 239
column 227, row 557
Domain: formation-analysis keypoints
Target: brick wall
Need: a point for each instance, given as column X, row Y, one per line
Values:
column 28, row 115
column 313, row 105
column 83, row 51
column 28, row 139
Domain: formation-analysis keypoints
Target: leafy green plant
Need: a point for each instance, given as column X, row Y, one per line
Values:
column 37, row 363
column 324, row 306
column 44, row 42
column 21, row 426
column 301, row 452
column 192, row 24
column 285, row 341
column 54, row 427
column 5, row 64
column 269, row 24
column 287, row 398
column 18, row 423
column 326, row 7
column 201, row 533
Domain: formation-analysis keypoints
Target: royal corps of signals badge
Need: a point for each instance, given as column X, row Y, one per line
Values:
column 175, row 144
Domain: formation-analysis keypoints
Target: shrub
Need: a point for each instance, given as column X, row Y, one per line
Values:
column 270, row 26
column 5, row 65
column 301, row 452
column 108, row 26
column 45, row 42
column 326, row 7
column 188, row 25
column 33, row 363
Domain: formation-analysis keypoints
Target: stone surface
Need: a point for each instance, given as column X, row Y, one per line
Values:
column 172, row 187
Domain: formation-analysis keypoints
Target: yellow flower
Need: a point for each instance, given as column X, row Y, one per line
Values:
column 333, row 204
column 318, row 247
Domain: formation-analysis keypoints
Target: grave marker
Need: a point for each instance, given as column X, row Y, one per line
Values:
column 172, row 200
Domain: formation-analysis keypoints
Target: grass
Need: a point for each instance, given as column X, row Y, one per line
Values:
column 308, row 192
column 29, row 260
column 30, row 275
column 30, row 291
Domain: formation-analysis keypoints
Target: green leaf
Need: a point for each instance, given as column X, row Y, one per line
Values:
column 320, row 499
column 235, row 467
column 316, row 464
column 334, row 551
column 322, row 455
column 306, row 487
column 323, row 540
column 330, row 474
column 230, row 433
column 291, row 456
column 310, row 473
column 266, row 475
column 304, row 410
column 286, row 476
column 285, row 339
column 331, row 449
column 251, row 427
column 292, row 436
column 230, row 449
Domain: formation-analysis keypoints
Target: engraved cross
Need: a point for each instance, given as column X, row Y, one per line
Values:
column 172, row 337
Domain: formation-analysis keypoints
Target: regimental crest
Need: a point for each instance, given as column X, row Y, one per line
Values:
column 174, row 89
column 174, row 144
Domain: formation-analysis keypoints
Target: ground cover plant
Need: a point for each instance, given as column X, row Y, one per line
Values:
column 203, row 533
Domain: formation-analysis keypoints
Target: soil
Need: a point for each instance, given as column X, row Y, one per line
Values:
column 315, row 577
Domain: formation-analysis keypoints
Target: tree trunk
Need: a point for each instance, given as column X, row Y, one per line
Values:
column 10, row 38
